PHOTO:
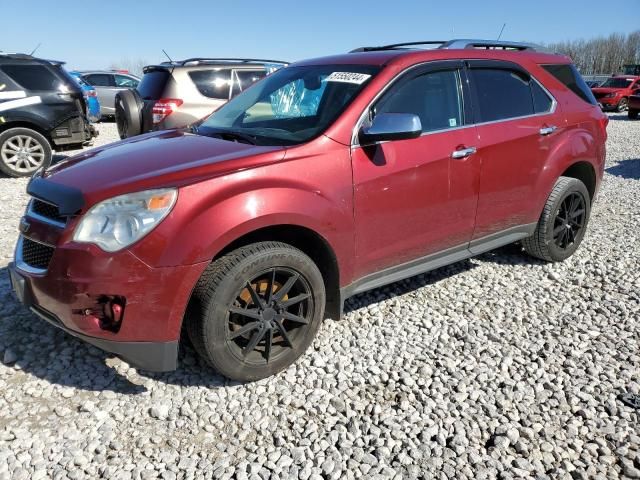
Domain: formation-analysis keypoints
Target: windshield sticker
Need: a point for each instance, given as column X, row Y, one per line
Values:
column 453, row 122
column 348, row 77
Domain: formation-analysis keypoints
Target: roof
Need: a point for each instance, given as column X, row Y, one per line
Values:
column 23, row 57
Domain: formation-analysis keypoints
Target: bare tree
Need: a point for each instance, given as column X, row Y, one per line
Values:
column 602, row 55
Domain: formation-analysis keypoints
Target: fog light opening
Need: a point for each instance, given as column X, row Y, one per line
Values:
column 112, row 312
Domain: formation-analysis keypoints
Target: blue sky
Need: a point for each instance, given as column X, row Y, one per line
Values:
column 95, row 34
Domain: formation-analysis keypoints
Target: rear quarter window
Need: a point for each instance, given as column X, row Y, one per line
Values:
column 571, row 78
column 212, row 83
column 33, row 77
column 153, row 83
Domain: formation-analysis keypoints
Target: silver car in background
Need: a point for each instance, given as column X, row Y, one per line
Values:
column 107, row 84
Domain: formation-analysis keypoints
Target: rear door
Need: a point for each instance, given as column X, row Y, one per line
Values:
column 517, row 123
column 151, row 89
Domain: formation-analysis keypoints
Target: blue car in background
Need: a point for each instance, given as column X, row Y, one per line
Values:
column 90, row 96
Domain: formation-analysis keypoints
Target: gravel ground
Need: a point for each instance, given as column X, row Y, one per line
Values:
column 496, row 367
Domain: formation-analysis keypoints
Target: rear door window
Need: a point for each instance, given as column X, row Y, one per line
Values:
column 153, row 83
column 571, row 78
column 212, row 83
column 33, row 77
column 100, row 80
column 542, row 102
column 502, row 94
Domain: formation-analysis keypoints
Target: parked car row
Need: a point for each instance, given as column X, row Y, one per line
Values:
column 614, row 94
column 325, row 179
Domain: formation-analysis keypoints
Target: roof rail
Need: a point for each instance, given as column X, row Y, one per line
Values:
column 394, row 46
column 198, row 60
column 465, row 43
column 459, row 43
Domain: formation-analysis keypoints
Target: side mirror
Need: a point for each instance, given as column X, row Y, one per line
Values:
column 391, row 126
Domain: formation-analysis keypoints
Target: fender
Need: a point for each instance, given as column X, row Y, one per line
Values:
column 577, row 144
column 315, row 192
column 20, row 115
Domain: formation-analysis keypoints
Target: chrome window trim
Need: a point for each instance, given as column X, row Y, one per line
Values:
column 41, row 218
column 20, row 261
column 354, row 134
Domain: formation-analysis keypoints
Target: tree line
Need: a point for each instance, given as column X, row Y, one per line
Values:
column 604, row 55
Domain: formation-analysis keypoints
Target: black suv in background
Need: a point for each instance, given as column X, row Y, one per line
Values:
column 41, row 109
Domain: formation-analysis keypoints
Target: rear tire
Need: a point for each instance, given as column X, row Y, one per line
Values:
column 255, row 310
column 563, row 222
column 633, row 114
column 128, row 113
column 23, row 151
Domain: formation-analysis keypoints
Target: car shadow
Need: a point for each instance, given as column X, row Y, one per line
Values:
column 626, row 169
column 48, row 353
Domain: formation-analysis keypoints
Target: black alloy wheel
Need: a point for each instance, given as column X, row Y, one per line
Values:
column 570, row 220
column 269, row 315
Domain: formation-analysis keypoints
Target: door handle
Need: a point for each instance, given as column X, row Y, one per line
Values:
column 548, row 130
column 463, row 152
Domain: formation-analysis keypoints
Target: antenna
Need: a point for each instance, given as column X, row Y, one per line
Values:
column 167, row 55
column 501, row 30
column 35, row 49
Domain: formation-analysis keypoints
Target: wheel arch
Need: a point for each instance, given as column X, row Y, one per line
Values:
column 586, row 173
column 309, row 242
column 9, row 124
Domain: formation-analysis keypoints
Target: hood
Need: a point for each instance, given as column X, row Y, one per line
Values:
column 602, row 90
column 159, row 159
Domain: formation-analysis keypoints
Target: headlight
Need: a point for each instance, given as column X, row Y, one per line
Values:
column 610, row 95
column 120, row 221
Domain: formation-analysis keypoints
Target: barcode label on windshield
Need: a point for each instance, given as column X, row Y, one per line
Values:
column 348, row 77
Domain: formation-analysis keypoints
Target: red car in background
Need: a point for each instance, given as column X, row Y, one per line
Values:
column 614, row 93
column 634, row 105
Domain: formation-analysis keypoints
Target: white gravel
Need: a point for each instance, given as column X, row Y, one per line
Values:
column 497, row 367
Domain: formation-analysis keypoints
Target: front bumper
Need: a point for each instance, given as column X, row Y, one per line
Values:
column 68, row 295
column 608, row 103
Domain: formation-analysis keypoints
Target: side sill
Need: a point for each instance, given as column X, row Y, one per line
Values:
column 437, row 260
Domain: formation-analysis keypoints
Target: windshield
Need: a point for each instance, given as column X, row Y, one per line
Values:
column 291, row 106
column 617, row 83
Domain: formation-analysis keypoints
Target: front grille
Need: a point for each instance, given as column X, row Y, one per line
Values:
column 599, row 94
column 36, row 255
column 47, row 210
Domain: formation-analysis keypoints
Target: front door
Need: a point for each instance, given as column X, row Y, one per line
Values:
column 412, row 197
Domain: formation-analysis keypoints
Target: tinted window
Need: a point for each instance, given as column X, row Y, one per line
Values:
column 542, row 102
column 126, row 82
column 100, row 80
column 33, row 77
column 434, row 97
column 502, row 94
column 571, row 78
column 152, row 84
column 212, row 83
column 243, row 79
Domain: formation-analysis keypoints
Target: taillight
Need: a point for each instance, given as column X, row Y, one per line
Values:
column 90, row 93
column 604, row 121
column 165, row 107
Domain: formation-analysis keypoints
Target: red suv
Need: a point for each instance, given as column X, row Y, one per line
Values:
column 614, row 93
column 325, row 179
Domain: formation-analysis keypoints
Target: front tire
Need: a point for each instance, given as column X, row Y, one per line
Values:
column 23, row 151
column 256, row 309
column 563, row 222
column 623, row 104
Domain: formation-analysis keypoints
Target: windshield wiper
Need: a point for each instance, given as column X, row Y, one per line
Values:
column 230, row 135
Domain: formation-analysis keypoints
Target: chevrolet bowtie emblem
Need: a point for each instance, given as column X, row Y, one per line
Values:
column 24, row 225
